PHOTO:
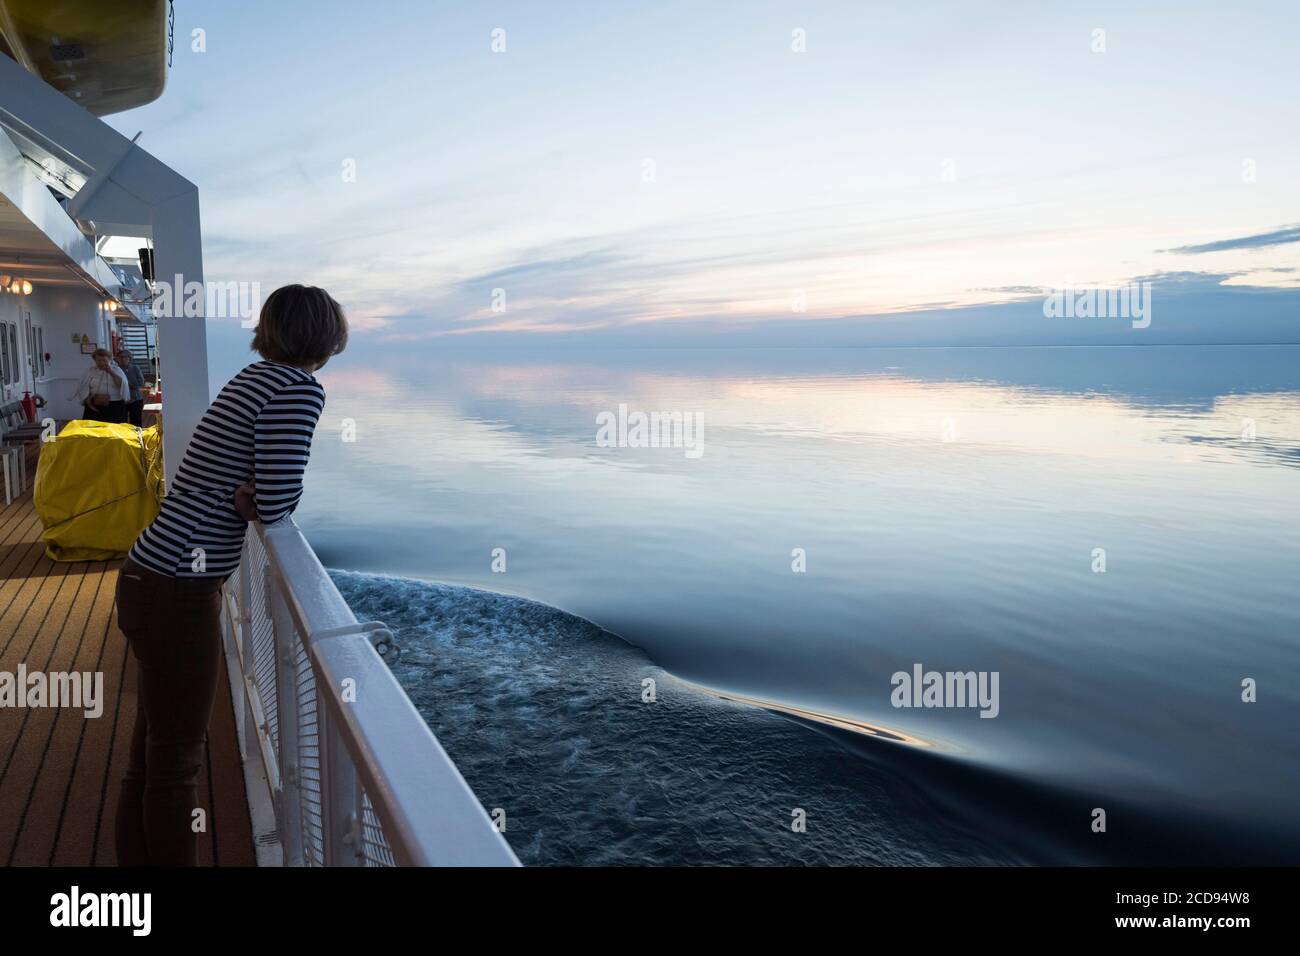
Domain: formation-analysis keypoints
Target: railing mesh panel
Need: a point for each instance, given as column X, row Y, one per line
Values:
column 309, row 762
column 262, row 629
column 259, row 619
column 374, row 845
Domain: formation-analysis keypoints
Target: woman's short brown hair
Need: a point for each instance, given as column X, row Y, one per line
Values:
column 300, row 324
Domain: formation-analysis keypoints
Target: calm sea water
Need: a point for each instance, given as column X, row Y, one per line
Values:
column 954, row 509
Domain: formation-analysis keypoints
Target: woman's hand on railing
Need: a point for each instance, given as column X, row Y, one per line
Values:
column 245, row 501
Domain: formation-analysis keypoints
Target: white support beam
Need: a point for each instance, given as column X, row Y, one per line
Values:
column 182, row 340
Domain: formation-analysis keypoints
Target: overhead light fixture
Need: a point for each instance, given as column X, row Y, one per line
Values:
column 14, row 284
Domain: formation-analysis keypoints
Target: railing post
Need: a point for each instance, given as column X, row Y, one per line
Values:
column 341, row 807
column 248, row 737
column 289, row 809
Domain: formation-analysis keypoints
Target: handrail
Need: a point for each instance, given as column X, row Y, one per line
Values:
column 360, row 779
column 321, row 608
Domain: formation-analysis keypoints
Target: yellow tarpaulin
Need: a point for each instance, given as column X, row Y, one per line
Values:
column 98, row 485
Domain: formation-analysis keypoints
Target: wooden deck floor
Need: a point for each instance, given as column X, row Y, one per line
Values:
column 59, row 771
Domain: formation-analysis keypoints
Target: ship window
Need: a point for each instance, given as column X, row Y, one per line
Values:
column 35, row 356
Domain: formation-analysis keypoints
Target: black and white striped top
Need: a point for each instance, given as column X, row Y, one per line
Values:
column 260, row 426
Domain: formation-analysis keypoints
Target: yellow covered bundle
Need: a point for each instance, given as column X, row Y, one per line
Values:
column 98, row 485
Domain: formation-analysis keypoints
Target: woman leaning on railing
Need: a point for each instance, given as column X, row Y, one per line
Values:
column 244, row 462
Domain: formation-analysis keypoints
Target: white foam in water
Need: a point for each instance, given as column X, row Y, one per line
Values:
column 543, row 713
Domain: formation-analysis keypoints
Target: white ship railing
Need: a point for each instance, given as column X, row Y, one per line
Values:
column 356, row 776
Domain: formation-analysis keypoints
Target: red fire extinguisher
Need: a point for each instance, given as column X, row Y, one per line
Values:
column 29, row 407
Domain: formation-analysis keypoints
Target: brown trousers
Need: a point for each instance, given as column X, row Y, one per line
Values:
column 173, row 626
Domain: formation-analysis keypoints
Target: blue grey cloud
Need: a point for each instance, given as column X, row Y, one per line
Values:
column 1277, row 237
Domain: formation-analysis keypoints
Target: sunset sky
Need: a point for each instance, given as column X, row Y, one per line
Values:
column 677, row 168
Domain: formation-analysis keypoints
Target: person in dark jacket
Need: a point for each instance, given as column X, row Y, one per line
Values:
column 135, row 381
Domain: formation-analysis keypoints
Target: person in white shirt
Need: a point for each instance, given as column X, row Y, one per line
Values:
column 103, row 391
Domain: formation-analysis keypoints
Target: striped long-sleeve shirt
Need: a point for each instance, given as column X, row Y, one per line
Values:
column 259, row 427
